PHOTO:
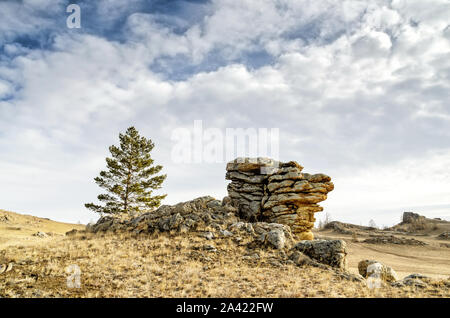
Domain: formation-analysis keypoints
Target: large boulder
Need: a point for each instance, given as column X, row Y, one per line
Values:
column 328, row 252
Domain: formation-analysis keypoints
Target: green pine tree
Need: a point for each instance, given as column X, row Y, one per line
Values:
column 130, row 179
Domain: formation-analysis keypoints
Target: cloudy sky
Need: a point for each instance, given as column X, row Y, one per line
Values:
column 359, row 90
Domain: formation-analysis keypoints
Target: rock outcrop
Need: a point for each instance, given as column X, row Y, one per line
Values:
column 216, row 220
column 411, row 217
column 209, row 217
column 182, row 217
column 263, row 189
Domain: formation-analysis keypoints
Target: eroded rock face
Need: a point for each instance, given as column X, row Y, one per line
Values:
column 411, row 217
column 263, row 189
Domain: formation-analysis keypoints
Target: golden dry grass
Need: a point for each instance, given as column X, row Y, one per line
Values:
column 17, row 228
column 165, row 265
column 432, row 260
column 173, row 266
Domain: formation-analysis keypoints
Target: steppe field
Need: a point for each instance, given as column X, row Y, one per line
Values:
column 177, row 265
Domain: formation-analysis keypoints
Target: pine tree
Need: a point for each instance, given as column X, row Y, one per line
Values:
column 131, row 177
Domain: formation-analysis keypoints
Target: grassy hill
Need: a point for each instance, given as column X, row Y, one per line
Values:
column 20, row 229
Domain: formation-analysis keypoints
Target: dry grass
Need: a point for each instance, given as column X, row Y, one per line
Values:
column 164, row 265
column 172, row 266
column 19, row 229
column 432, row 260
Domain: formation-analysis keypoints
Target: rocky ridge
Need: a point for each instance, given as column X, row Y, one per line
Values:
column 211, row 219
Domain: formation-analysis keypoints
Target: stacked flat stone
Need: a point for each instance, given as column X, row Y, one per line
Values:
column 263, row 189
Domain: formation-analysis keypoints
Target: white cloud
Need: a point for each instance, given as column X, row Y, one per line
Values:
column 355, row 89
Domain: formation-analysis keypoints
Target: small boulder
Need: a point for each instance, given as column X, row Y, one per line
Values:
column 40, row 234
column 276, row 238
column 71, row 232
column 208, row 235
column 226, row 233
column 209, row 248
column 415, row 280
column 328, row 252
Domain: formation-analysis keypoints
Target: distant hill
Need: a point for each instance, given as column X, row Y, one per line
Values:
column 419, row 224
column 21, row 229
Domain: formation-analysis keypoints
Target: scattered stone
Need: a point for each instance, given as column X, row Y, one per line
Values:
column 347, row 228
column 208, row 235
column 71, row 232
column 274, row 262
column 444, row 236
column 226, row 233
column 415, row 280
column 26, row 261
column 237, row 239
column 375, row 269
column 337, row 227
column 418, row 276
column 328, row 252
column 391, row 239
column 209, row 248
column 241, row 226
column 40, row 234
column 351, row 277
column 253, row 256
column 4, row 268
column 9, row 267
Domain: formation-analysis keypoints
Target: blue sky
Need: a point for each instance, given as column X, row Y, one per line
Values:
column 358, row 89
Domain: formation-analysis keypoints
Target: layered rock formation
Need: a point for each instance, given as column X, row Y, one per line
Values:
column 267, row 190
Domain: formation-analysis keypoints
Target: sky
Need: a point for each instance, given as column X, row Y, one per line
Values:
column 357, row 89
